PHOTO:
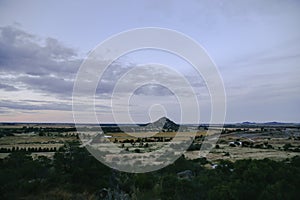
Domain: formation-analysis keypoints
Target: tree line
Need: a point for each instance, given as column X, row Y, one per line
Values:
column 75, row 174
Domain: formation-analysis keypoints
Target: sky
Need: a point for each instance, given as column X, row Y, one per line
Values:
column 255, row 45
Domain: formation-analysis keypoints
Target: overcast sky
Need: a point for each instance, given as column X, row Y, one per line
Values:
column 255, row 45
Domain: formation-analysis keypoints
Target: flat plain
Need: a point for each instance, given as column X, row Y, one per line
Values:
column 234, row 143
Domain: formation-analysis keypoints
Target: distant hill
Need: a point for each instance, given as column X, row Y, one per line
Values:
column 248, row 123
column 164, row 124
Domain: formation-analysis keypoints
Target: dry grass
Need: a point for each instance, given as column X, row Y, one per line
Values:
column 128, row 136
column 239, row 153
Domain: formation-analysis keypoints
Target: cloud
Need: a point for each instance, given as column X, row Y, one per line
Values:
column 45, row 66
column 35, row 106
column 153, row 90
column 49, row 67
column 57, row 50
column 7, row 87
column 149, row 80
column 48, row 84
column 24, row 53
column 23, row 105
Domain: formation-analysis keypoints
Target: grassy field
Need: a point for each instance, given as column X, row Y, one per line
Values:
column 134, row 135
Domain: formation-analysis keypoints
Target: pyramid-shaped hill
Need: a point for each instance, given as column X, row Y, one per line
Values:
column 163, row 124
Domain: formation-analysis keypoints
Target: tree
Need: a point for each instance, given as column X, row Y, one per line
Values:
column 287, row 146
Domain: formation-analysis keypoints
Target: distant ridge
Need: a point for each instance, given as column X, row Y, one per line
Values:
column 275, row 123
column 266, row 123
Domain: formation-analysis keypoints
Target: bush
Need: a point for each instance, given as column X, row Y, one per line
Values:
column 137, row 150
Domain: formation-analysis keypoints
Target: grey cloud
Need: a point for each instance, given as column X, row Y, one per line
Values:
column 7, row 87
column 26, row 106
column 163, row 76
column 48, row 84
column 3, row 111
column 57, row 50
column 18, row 105
column 23, row 53
column 48, row 68
column 45, row 66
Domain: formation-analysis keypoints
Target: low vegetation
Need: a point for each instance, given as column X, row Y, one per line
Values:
column 74, row 174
